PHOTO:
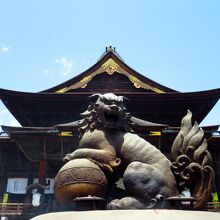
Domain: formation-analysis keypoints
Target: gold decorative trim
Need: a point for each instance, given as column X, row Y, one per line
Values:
column 82, row 83
column 110, row 67
column 63, row 90
column 110, row 62
column 155, row 133
column 66, row 133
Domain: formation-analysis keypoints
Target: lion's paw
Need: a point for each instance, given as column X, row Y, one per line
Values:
column 67, row 158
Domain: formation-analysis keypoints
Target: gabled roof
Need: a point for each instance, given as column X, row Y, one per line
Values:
column 150, row 100
column 110, row 62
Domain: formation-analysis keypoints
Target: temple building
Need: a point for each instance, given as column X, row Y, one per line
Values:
column 31, row 155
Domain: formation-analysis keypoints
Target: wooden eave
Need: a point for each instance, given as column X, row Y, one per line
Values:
column 214, row 141
column 5, row 139
column 165, row 108
column 215, row 93
column 135, row 76
column 56, row 130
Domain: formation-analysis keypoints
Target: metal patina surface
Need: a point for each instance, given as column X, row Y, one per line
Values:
column 107, row 138
column 79, row 178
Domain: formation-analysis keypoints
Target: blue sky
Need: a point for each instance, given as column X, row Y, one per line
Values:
column 46, row 42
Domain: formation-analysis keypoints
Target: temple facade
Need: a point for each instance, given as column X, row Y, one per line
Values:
column 31, row 155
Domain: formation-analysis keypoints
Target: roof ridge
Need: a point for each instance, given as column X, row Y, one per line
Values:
column 110, row 49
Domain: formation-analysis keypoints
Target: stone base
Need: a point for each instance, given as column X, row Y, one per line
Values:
column 155, row 214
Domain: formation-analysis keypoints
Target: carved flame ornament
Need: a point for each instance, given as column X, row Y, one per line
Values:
column 192, row 166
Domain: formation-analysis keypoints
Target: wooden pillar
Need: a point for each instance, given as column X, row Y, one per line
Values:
column 42, row 181
column 28, row 198
column 3, row 178
column 217, row 183
column 42, row 172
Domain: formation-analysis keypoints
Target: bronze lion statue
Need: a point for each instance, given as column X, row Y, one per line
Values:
column 107, row 138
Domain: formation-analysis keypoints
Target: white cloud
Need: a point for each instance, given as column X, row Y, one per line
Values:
column 3, row 111
column 3, row 116
column 4, row 48
column 67, row 66
column 6, row 118
column 14, row 123
column 46, row 72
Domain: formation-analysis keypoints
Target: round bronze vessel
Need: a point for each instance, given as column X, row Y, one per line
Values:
column 79, row 178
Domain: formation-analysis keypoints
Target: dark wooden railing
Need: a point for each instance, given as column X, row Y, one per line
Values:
column 213, row 206
column 7, row 209
column 11, row 209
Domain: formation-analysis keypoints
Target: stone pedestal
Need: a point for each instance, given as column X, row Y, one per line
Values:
column 155, row 214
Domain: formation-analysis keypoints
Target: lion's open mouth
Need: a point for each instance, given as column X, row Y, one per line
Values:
column 111, row 117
